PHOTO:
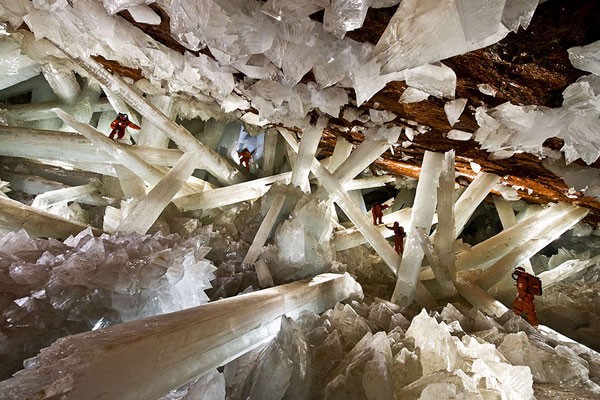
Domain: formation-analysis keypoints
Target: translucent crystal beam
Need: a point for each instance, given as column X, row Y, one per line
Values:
column 227, row 195
column 148, row 357
column 443, row 241
column 421, row 217
column 114, row 150
column 40, row 111
column 52, row 197
column 566, row 270
column 70, row 148
column 150, row 135
column 367, row 152
column 264, row 230
column 479, row 298
column 508, row 219
column 15, row 215
column 63, row 82
column 489, row 251
column 369, row 183
column 341, row 151
column 147, row 209
column 271, row 138
column 500, row 271
column 308, row 147
column 212, row 161
column 470, row 199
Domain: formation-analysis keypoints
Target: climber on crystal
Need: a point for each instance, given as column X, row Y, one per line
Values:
column 119, row 125
column 245, row 155
column 377, row 212
column 398, row 237
column 527, row 287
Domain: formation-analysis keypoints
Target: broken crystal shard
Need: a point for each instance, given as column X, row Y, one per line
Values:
column 144, row 15
column 478, row 23
column 16, row 66
column 342, row 16
column 456, row 134
column 290, row 10
column 421, row 33
column 453, row 110
column 412, row 95
column 586, row 58
column 518, row 13
column 438, row 81
column 487, row 89
column 438, row 349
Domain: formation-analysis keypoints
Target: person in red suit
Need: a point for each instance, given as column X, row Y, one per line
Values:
column 398, row 237
column 245, row 156
column 527, row 286
column 119, row 125
column 377, row 212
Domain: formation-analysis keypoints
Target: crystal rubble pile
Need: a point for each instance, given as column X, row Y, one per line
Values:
column 149, row 357
column 380, row 351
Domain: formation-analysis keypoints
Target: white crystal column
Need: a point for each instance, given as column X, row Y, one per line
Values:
column 306, row 153
column 358, row 218
column 479, row 298
column 52, row 197
column 264, row 230
column 508, row 219
column 443, row 241
column 421, row 217
column 212, row 161
column 146, row 171
column 363, row 156
column 150, row 135
column 227, row 195
column 144, row 359
column 131, row 184
column 63, row 82
column 472, row 197
column 369, row 183
column 565, row 270
column 15, row 215
column 265, row 279
column 147, row 209
column 67, row 147
column 553, row 229
column 271, row 138
column 359, row 200
column 341, row 151
column 42, row 111
column 489, row 251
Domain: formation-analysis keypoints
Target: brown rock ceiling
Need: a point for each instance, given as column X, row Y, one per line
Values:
column 527, row 67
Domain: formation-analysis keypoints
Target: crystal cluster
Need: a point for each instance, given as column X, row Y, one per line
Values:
column 377, row 351
column 52, row 289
